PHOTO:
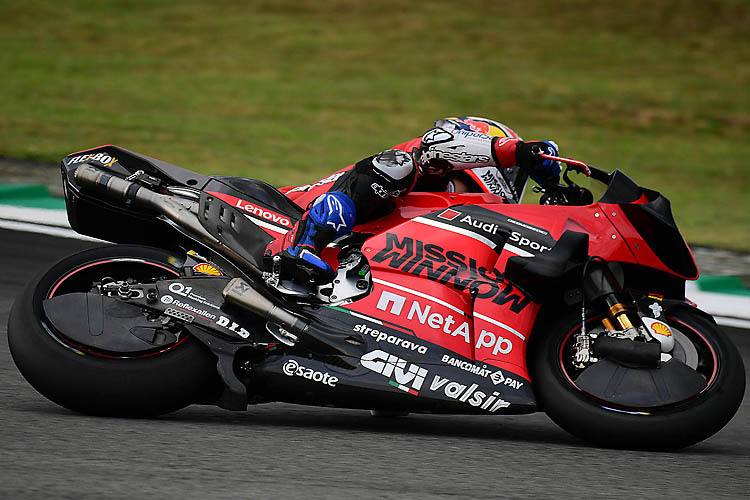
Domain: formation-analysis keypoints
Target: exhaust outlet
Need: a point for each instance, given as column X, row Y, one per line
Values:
column 182, row 212
column 106, row 183
column 238, row 292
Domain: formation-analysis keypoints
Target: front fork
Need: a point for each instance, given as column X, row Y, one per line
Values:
column 633, row 338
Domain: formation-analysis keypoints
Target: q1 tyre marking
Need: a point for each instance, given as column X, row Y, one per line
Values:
column 82, row 350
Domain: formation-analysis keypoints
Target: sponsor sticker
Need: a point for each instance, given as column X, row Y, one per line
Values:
column 487, row 227
column 661, row 329
column 500, row 345
column 402, row 375
column 496, row 377
column 178, row 288
column 423, row 314
column 449, row 267
column 661, row 332
column 523, row 241
column 468, row 394
column 390, row 339
column 198, row 312
column 292, row 368
column 256, row 210
column 495, row 184
column 103, row 158
column 449, row 214
column 206, row 268
column 233, row 327
column 656, row 309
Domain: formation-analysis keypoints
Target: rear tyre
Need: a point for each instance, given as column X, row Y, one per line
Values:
column 700, row 344
column 85, row 380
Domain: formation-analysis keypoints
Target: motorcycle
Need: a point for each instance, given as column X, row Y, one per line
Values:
column 452, row 303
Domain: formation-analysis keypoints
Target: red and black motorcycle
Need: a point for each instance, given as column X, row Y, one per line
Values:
column 455, row 303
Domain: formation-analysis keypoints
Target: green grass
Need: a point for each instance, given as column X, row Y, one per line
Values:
column 289, row 91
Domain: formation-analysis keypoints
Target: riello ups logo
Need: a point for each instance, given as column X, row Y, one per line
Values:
column 448, row 266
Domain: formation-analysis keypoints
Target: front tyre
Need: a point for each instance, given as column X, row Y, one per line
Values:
column 88, row 380
column 700, row 345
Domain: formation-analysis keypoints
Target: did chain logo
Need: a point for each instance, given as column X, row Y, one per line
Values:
column 407, row 377
column 233, row 327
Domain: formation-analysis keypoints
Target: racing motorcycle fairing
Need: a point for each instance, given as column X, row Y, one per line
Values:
column 396, row 369
column 442, row 319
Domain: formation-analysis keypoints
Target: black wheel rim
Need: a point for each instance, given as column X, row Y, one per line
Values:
column 691, row 348
column 80, row 279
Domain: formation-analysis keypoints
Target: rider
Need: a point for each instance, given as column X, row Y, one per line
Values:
column 364, row 191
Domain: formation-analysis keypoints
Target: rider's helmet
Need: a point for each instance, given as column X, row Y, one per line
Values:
column 476, row 124
column 513, row 177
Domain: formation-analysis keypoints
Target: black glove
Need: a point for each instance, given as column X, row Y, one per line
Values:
column 544, row 172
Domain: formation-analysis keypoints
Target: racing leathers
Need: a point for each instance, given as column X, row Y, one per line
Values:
column 365, row 190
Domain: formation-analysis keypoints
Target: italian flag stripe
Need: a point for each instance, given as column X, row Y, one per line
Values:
column 403, row 388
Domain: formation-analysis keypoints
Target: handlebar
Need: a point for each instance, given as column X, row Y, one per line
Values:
column 571, row 193
column 584, row 169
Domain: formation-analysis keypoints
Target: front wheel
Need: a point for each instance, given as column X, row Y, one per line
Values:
column 614, row 422
column 87, row 379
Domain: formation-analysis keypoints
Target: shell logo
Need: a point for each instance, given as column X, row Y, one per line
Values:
column 661, row 329
column 206, row 268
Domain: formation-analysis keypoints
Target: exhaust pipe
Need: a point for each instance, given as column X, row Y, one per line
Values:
column 238, row 292
column 296, row 330
column 182, row 212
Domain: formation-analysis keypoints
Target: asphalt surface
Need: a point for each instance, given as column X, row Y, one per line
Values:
column 287, row 451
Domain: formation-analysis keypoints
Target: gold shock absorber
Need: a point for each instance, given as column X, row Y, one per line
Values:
column 618, row 313
column 608, row 324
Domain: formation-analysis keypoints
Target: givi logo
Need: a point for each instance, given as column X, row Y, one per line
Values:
column 389, row 366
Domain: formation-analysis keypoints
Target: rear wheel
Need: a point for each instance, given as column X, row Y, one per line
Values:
column 89, row 380
column 718, row 379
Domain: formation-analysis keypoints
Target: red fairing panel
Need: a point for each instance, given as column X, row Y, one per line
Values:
column 437, row 314
column 539, row 227
column 635, row 242
column 502, row 326
column 424, row 270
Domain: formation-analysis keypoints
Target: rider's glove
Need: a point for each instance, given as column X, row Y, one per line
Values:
column 544, row 172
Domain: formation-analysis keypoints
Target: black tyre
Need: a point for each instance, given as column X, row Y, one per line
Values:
column 699, row 344
column 86, row 380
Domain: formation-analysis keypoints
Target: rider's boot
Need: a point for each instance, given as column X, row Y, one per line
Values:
column 331, row 216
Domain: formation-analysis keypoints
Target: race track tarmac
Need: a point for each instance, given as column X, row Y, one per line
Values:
column 283, row 451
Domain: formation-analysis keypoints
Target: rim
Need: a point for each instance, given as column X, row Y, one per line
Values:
column 691, row 347
column 82, row 277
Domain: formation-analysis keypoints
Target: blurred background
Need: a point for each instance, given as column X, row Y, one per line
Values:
column 289, row 91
